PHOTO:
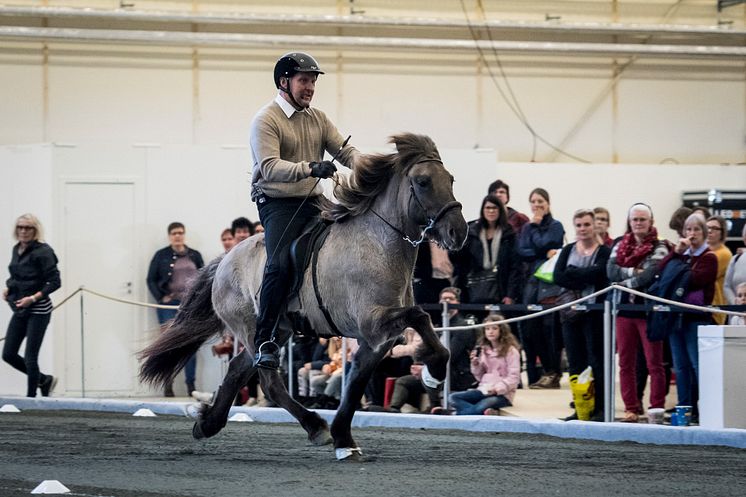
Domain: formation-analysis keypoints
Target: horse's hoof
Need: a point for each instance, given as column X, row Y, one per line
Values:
column 323, row 437
column 349, row 453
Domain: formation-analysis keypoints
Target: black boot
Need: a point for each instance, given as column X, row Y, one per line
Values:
column 190, row 389
column 168, row 390
column 47, row 385
column 267, row 355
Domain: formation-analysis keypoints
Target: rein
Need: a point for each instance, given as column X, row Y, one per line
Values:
column 431, row 219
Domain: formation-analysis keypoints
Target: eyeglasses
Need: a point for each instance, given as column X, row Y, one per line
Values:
column 25, row 228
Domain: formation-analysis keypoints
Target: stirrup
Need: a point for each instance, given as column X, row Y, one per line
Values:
column 267, row 356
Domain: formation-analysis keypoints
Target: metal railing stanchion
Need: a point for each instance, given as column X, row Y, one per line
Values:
column 616, row 297
column 82, row 346
column 445, row 339
column 608, row 375
column 290, row 366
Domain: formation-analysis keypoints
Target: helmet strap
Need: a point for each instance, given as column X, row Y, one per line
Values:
column 289, row 93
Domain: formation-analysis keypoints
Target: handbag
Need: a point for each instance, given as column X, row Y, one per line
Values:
column 483, row 286
column 568, row 314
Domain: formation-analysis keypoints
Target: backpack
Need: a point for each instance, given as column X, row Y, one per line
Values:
column 671, row 284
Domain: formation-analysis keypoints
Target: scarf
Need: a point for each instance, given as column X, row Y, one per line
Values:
column 489, row 253
column 630, row 253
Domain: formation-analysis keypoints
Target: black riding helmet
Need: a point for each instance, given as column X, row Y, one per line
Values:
column 294, row 62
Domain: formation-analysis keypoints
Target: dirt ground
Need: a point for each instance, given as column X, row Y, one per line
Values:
column 104, row 454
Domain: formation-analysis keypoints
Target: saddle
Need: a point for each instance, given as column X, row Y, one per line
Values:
column 304, row 250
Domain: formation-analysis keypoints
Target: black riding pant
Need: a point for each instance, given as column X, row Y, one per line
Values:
column 32, row 327
column 280, row 229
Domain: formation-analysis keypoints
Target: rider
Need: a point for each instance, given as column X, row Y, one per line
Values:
column 288, row 139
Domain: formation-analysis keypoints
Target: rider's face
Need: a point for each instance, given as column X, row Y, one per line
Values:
column 302, row 87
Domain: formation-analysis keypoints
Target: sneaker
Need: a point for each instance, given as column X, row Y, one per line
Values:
column 47, row 386
column 491, row 412
column 441, row 411
column 571, row 417
column 251, row 402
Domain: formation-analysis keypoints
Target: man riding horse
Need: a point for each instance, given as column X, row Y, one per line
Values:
column 288, row 140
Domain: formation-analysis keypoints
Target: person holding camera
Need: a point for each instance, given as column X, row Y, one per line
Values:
column 496, row 364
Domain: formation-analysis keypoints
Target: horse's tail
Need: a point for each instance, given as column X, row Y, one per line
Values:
column 194, row 323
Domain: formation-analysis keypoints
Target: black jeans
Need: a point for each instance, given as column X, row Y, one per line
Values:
column 584, row 343
column 279, row 232
column 31, row 327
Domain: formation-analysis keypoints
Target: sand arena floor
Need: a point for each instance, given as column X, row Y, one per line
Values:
column 109, row 454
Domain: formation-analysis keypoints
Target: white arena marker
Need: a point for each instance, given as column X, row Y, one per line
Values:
column 51, row 487
column 9, row 408
column 144, row 412
column 241, row 417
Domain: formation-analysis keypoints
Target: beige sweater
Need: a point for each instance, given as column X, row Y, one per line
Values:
column 282, row 148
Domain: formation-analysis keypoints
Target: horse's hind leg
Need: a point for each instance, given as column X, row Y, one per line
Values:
column 213, row 418
column 315, row 426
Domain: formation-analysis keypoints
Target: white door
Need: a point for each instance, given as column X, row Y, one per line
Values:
column 99, row 253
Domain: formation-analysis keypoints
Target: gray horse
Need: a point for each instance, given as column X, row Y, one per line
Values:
column 364, row 275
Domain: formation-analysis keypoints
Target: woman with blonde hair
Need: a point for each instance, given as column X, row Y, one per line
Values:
column 33, row 276
column 496, row 365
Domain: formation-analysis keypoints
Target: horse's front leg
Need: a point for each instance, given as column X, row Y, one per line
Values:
column 363, row 364
column 274, row 388
column 213, row 418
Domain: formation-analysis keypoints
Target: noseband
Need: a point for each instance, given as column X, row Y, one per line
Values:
column 431, row 219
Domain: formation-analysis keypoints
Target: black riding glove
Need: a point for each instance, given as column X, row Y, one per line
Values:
column 323, row 169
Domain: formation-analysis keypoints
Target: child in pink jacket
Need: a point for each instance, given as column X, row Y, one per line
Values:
column 496, row 365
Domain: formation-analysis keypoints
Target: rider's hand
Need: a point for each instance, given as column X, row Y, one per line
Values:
column 323, row 169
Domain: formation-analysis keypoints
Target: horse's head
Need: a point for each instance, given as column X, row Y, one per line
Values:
column 431, row 201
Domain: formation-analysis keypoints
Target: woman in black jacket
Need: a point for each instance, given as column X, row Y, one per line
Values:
column 487, row 266
column 33, row 276
column 581, row 270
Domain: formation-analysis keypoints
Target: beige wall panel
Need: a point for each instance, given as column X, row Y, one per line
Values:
column 686, row 121
column 21, row 100
column 113, row 101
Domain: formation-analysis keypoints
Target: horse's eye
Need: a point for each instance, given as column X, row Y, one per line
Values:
column 423, row 181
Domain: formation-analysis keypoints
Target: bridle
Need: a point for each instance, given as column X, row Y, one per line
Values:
column 431, row 219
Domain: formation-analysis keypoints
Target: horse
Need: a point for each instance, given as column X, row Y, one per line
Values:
column 363, row 271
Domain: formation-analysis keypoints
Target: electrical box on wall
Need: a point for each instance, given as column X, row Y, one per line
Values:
column 730, row 204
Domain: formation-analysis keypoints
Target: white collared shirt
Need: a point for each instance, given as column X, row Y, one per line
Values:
column 286, row 106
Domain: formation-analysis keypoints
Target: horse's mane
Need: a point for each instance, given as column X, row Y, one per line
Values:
column 371, row 174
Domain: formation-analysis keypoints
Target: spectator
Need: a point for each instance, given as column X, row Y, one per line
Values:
column 432, row 272
column 501, row 190
column 258, row 228
column 397, row 363
column 409, row 388
column 736, row 273
column 717, row 230
column 312, row 369
column 33, row 276
column 634, row 263
column 677, row 219
column 581, row 268
column 487, row 266
column 171, row 271
column 496, row 365
column 693, row 250
column 540, row 239
column 703, row 211
column 226, row 238
column 241, row 228
column 740, row 300
column 602, row 222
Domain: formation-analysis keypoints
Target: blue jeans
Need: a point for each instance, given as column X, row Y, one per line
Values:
column 686, row 361
column 475, row 402
column 190, row 368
